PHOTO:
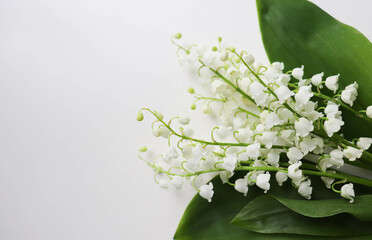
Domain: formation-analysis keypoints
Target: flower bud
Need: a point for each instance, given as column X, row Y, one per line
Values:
column 193, row 106
column 177, row 36
column 159, row 115
column 139, row 116
column 207, row 109
column 143, row 149
column 184, row 120
column 191, row 90
column 224, row 56
column 249, row 59
column 156, row 132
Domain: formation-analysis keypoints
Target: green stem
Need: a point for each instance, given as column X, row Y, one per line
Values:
column 207, row 142
column 250, row 113
column 340, row 176
column 232, row 85
column 264, row 84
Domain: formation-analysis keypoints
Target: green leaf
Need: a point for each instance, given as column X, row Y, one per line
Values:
column 206, row 221
column 360, row 209
column 333, row 217
column 298, row 32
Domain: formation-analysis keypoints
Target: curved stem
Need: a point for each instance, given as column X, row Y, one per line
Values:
column 207, row 142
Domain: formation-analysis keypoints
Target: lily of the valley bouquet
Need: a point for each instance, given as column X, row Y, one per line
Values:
column 289, row 157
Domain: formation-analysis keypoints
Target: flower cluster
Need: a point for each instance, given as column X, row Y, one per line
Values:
column 270, row 121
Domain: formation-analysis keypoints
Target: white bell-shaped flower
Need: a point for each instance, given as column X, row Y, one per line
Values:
column 352, row 153
column 369, row 111
column 262, row 181
column 281, row 177
column 336, row 157
column 223, row 131
column 307, row 145
column 229, row 163
column 218, row 87
column 347, row 191
column 268, row 138
column 303, row 127
column 244, row 134
column 273, row 158
column 224, row 55
column 170, row 154
column 294, row 154
column 206, row 191
column 324, row 164
column 298, row 73
column 364, row 143
column 332, row 125
column 272, row 119
column 328, row 181
column 331, row 110
column 331, row 82
column 283, row 93
column 317, row 79
column 294, row 172
column 241, row 185
column 184, row 120
column 198, row 152
column 303, row 95
column 248, row 59
column 350, row 93
column 278, row 66
column 305, row 189
column 253, row 150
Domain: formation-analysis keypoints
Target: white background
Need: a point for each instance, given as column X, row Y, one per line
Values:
column 73, row 75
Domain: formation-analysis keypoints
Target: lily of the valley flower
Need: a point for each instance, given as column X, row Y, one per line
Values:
column 241, row 185
column 332, row 126
column 305, row 189
column 206, row 191
column 347, row 191
column 364, row 143
column 331, row 82
column 281, row 177
column 336, row 157
column 262, row 181
column 369, row 111
column 303, row 127
column 294, row 172
column 294, row 154
column 298, row 73
column 352, row 153
column 350, row 93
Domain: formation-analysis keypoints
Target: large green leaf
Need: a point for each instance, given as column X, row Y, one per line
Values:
column 270, row 214
column 206, row 221
column 298, row 32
